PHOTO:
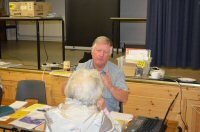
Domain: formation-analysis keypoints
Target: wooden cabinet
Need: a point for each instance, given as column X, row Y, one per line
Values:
column 146, row 98
column 54, row 84
column 152, row 99
column 195, row 127
column 192, row 114
column 56, row 89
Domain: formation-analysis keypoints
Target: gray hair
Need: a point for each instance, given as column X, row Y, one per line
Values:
column 102, row 39
column 86, row 86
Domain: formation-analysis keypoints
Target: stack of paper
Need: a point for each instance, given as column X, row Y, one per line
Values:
column 134, row 55
column 30, row 121
column 30, row 117
column 8, row 64
column 4, row 63
column 121, row 116
column 142, row 59
column 18, row 104
column 61, row 73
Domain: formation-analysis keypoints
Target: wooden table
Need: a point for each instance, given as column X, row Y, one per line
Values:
column 5, row 124
column 37, row 20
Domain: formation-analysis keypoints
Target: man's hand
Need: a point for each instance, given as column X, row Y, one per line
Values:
column 107, row 80
column 119, row 94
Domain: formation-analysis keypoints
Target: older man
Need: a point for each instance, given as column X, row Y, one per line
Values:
column 115, row 90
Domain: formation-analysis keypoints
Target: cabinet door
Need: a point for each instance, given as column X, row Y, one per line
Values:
column 191, row 116
column 9, row 89
column 151, row 100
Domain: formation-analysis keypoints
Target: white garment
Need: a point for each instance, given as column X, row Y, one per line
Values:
column 74, row 117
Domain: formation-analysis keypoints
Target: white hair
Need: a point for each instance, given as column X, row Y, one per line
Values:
column 102, row 39
column 85, row 86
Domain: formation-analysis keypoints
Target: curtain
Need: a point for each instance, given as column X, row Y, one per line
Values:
column 173, row 33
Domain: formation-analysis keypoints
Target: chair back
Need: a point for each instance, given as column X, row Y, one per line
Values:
column 120, row 107
column 31, row 89
column 87, row 56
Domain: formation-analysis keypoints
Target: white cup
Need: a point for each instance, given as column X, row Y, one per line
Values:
column 155, row 75
column 66, row 65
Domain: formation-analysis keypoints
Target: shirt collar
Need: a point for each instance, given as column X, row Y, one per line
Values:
column 105, row 69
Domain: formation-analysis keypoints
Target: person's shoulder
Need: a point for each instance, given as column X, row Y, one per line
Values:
column 114, row 67
column 111, row 64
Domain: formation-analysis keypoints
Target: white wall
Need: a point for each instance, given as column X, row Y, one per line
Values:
column 133, row 33
column 52, row 29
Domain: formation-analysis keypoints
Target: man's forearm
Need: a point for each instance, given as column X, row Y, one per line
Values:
column 119, row 94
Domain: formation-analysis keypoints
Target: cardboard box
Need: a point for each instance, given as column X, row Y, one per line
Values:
column 129, row 69
column 30, row 9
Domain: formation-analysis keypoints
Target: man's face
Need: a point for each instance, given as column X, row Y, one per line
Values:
column 101, row 54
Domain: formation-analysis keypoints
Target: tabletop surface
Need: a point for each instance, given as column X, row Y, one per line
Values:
column 126, row 19
column 31, row 18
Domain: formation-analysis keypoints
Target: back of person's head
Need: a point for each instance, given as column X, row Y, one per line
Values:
column 102, row 39
column 85, row 86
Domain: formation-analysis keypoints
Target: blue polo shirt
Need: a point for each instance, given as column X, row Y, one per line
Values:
column 118, row 80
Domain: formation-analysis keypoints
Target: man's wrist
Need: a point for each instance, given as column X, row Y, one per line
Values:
column 112, row 88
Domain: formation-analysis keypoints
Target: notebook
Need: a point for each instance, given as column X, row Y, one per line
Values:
column 146, row 124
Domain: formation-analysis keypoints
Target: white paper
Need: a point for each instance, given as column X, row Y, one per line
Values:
column 4, row 118
column 133, row 55
column 10, row 65
column 30, row 121
column 121, row 116
column 4, row 63
column 18, row 104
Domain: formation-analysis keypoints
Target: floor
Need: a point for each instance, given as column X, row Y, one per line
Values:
column 24, row 52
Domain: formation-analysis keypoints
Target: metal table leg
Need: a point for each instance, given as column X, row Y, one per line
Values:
column 38, row 43
column 63, row 41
